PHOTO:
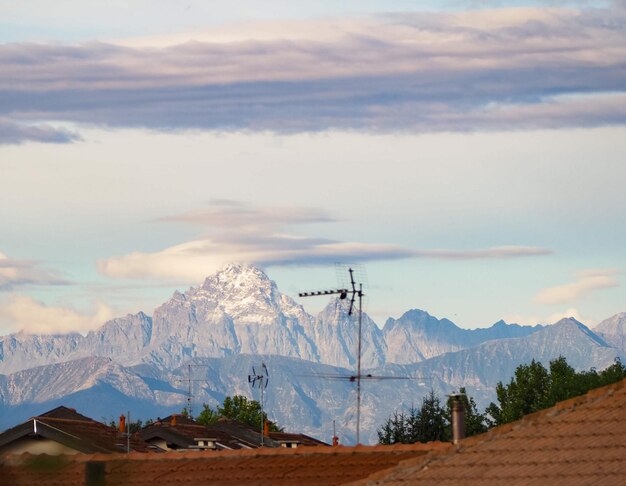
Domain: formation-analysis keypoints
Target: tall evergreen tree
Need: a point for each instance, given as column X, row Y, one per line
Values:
column 430, row 422
column 475, row 422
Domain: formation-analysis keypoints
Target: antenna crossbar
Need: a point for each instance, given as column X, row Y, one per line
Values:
column 343, row 294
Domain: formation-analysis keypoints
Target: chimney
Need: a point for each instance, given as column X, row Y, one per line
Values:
column 173, row 421
column 266, row 428
column 122, row 424
column 458, row 417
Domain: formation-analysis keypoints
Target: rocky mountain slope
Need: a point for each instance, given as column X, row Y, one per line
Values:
column 613, row 330
column 241, row 311
column 237, row 318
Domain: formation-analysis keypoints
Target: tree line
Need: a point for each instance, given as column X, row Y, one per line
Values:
column 533, row 387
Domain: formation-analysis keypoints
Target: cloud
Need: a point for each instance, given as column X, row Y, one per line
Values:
column 233, row 214
column 14, row 273
column 246, row 234
column 551, row 319
column 587, row 282
column 499, row 69
column 16, row 133
column 22, row 313
column 495, row 252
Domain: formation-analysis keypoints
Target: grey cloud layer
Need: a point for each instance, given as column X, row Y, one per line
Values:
column 16, row 133
column 470, row 71
column 237, row 237
column 14, row 273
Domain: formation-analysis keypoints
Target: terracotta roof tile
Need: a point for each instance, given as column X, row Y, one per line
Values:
column 303, row 466
column 579, row 441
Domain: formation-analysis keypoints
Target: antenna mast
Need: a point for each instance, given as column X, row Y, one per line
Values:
column 343, row 294
column 189, row 380
column 262, row 378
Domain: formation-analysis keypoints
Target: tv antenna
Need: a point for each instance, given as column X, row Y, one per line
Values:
column 188, row 380
column 354, row 294
column 350, row 290
column 260, row 379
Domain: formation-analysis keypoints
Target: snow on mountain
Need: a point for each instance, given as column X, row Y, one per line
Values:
column 238, row 310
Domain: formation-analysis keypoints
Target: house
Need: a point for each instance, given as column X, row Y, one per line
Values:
column 181, row 433
column 291, row 441
column 65, row 431
column 578, row 441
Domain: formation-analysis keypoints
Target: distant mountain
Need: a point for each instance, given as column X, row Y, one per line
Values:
column 239, row 310
column 613, row 330
column 302, row 395
column 417, row 336
column 484, row 365
column 238, row 318
column 21, row 351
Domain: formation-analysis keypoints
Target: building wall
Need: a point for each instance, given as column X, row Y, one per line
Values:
column 36, row 446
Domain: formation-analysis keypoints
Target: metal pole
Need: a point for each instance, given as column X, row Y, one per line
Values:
column 358, row 370
column 189, row 392
column 262, row 417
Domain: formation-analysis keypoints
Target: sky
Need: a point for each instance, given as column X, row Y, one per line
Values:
column 469, row 156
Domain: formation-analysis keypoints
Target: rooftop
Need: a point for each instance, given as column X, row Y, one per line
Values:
column 578, row 441
column 68, row 427
column 277, row 466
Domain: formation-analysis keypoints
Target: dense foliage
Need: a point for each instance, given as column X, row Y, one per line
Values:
column 429, row 422
column 534, row 388
column 237, row 408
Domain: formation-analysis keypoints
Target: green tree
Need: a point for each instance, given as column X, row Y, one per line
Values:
column 236, row 408
column 394, row 430
column 475, row 422
column 526, row 393
column 429, row 422
column 534, row 388
column 207, row 416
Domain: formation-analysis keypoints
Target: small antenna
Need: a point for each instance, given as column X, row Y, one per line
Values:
column 261, row 379
column 189, row 381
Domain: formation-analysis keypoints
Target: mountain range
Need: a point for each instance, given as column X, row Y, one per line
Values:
column 215, row 333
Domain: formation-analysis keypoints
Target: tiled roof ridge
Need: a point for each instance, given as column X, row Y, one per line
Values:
column 557, row 409
column 237, row 453
column 63, row 408
column 44, row 419
column 495, row 433
column 174, row 426
column 529, row 420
